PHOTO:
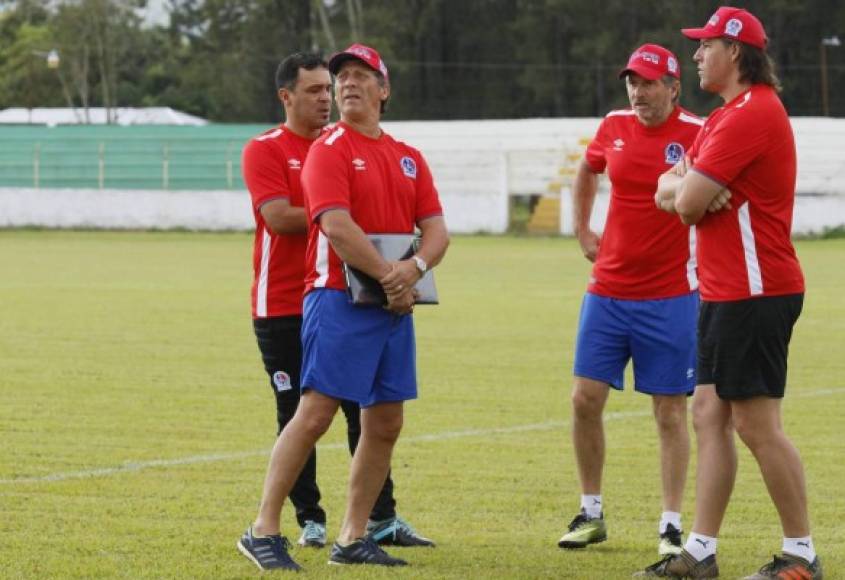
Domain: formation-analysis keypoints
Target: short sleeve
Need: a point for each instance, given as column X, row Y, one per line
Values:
column 264, row 174
column 595, row 154
column 731, row 146
column 326, row 181
column 428, row 201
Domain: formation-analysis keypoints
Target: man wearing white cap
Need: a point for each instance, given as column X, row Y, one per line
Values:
column 752, row 291
column 642, row 300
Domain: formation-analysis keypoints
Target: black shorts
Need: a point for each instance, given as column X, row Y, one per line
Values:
column 743, row 345
column 281, row 350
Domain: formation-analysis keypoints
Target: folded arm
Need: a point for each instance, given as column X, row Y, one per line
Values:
column 690, row 194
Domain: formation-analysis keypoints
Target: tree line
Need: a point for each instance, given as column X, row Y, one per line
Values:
column 448, row 59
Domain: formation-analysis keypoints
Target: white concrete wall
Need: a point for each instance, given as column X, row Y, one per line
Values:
column 125, row 209
column 468, row 212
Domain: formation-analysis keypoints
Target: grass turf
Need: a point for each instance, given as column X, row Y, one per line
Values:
column 135, row 417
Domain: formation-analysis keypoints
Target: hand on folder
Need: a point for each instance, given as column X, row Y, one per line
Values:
column 399, row 286
column 402, row 287
column 403, row 274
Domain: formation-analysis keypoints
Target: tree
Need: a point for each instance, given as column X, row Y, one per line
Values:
column 94, row 37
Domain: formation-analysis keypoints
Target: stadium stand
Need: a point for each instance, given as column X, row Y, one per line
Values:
column 478, row 166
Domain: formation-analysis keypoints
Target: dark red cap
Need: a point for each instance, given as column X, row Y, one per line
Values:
column 652, row 62
column 369, row 56
column 730, row 22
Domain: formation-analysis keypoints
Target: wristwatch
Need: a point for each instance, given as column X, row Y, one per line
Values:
column 422, row 267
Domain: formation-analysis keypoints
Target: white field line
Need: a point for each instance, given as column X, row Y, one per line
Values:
column 134, row 466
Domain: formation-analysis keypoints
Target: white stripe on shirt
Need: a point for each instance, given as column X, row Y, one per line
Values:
column 690, row 119
column 334, row 136
column 692, row 276
column 261, row 290
column 752, row 266
column 322, row 264
column 271, row 135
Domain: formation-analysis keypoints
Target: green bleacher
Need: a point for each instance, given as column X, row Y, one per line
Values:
column 115, row 157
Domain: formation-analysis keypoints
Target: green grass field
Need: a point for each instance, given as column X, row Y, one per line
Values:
column 136, row 419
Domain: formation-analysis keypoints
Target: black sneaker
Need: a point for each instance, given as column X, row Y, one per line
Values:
column 789, row 566
column 268, row 552
column 397, row 532
column 363, row 551
column 671, row 542
column 684, row 565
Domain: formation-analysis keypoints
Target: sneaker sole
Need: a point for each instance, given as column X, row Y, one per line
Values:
column 311, row 544
column 336, row 563
column 569, row 545
column 242, row 549
column 398, row 545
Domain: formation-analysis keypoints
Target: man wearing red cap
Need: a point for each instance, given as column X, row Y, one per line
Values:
column 357, row 180
column 752, row 292
column 641, row 299
column 272, row 165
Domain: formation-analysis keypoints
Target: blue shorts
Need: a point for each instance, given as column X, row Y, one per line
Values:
column 658, row 335
column 357, row 353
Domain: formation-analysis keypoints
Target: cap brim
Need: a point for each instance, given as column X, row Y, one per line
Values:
column 646, row 73
column 337, row 61
column 340, row 58
column 699, row 33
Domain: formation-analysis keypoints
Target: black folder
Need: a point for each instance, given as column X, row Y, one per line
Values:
column 364, row 290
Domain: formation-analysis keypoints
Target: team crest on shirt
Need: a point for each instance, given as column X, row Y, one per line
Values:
column 281, row 380
column 409, row 168
column 674, row 153
column 733, row 27
column 294, row 163
column 360, row 164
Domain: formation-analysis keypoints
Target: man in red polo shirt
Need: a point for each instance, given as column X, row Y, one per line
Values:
column 642, row 300
column 272, row 166
column 356, row 180
column 752, row 292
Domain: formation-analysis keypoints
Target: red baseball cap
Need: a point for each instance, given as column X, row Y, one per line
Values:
column 652, row 62
column 369, row 56
column 730, row 22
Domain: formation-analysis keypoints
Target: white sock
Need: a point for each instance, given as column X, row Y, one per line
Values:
column 700, row 546
column 667, row 518
column 591, row 504
column 801, row 547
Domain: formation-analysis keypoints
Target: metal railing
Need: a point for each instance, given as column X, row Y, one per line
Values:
column 115, row 164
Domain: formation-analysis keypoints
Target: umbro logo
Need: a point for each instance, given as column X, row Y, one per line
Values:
column 294, row 163
column 702, row 542
column 360, row 164
column 618, row 144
